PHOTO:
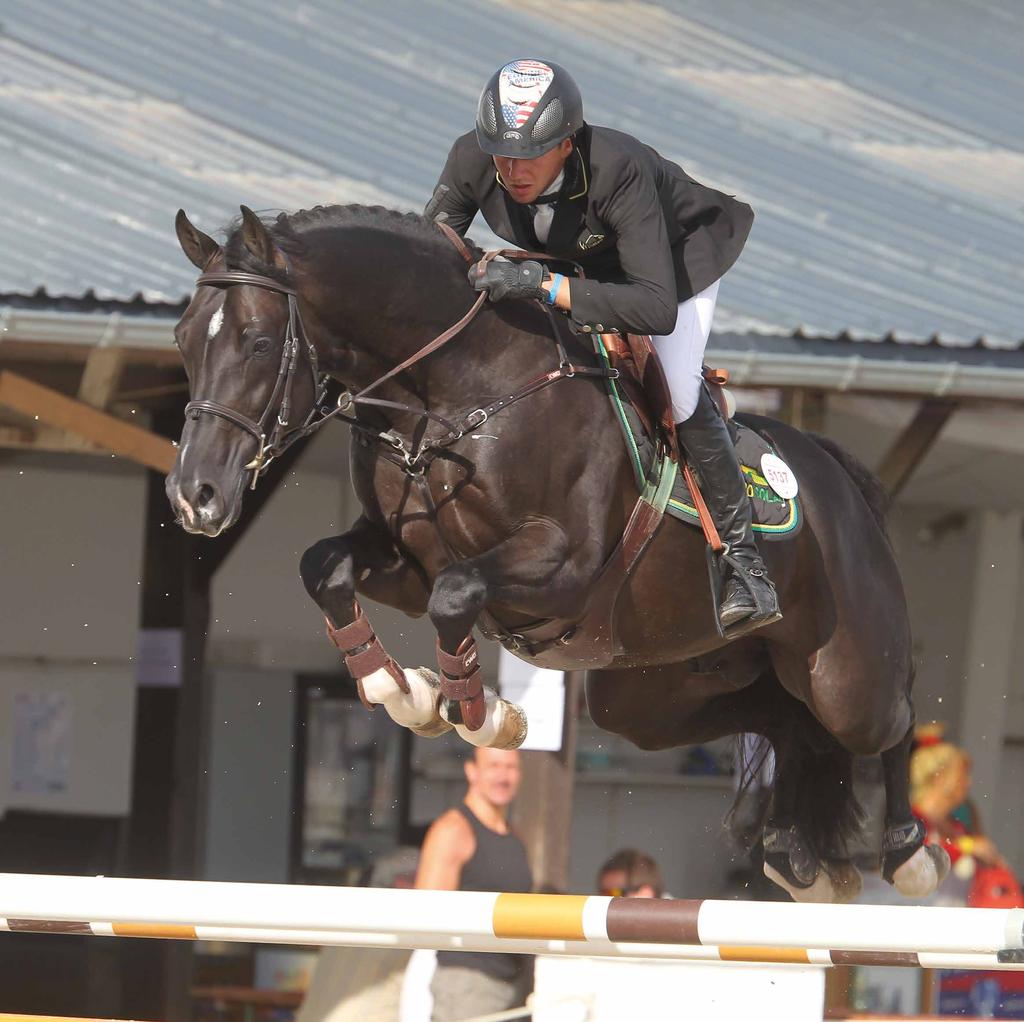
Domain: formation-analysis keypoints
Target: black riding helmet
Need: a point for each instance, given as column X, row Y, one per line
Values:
column 527, row 108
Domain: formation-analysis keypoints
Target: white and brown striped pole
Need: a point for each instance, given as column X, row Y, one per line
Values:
column 733, row 931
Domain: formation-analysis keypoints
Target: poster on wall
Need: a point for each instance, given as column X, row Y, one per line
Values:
column 41, row 742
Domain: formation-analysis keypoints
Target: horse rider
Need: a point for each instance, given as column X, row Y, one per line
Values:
column 654, row 244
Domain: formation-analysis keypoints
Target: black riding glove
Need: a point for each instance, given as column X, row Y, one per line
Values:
column 509, row 280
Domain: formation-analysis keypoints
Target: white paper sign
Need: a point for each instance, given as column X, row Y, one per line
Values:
column 41, row 746
column 541, row 694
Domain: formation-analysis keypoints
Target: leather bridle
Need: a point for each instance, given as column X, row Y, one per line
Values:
column 278, row 407
column 280, row 401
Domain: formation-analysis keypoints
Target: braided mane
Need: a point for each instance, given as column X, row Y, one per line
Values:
column 292, row 231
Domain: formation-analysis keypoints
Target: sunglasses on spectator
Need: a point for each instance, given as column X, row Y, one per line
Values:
column 620, row 892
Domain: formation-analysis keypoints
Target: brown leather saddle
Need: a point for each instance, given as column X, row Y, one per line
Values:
column 643, row 382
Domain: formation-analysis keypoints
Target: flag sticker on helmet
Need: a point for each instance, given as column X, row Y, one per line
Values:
column 526, row 108
column 521, row 86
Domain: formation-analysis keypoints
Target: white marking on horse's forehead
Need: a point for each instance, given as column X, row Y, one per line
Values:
column 216, row 321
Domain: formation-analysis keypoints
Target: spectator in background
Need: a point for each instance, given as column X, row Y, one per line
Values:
column 631, row 874
column 471, row 847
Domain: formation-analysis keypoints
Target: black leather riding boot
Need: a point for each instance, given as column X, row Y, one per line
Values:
column 748, row 597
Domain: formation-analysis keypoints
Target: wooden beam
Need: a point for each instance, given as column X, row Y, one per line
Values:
column 803, row 409
column 166, row 356
column 913, row 444
column 17, row 436
column 166, row 828
column 166, row 831
column 543, row 810
column 145, row 393
column 43, row 404
column 102, row 376
column 46, row 438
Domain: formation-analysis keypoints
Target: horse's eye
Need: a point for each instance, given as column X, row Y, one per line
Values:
column 261, row 346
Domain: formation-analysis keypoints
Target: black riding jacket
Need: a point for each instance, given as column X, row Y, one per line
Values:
column 647, row 235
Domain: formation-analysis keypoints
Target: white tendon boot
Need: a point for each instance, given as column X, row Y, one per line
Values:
column 416, row 709
column 504, row 725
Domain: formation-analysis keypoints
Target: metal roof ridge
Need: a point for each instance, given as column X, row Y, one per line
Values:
column 94, row 329
column 855, row 372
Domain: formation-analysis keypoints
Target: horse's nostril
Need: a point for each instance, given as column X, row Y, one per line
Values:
column 205, row 495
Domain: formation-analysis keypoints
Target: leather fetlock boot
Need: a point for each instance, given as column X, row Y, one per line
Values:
column 748, row 596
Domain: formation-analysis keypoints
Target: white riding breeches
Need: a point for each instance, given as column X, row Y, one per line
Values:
column 682, row 351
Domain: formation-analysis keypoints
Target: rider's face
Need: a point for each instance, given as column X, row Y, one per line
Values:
column 526, row 179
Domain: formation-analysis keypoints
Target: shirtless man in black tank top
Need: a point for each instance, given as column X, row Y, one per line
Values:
column 472, row 848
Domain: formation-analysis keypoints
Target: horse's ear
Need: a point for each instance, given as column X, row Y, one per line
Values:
column 256, row 236
column 199, row 247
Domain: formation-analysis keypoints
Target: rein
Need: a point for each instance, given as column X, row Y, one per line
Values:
column 296, row 339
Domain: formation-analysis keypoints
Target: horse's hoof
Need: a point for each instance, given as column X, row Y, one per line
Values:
column 504, row 725
column 825, row 889
column 432, row 730
column 512, row 733
column 846, row 882
column 922, row 873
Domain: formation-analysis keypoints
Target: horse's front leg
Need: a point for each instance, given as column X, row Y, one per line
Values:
column 517, row 568
column 366, row 558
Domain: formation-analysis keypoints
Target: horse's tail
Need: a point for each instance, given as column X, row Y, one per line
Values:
column 819, row 797
column 870, row 486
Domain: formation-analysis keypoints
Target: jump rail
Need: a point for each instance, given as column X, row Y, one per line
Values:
column 730, row 931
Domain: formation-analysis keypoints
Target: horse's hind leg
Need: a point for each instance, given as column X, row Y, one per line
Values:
column 366, row 558
column 812, row 806
column 912, row 867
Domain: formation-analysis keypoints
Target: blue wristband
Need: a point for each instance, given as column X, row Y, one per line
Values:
column 556, row 283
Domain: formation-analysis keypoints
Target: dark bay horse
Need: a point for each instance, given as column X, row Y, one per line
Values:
column 506, row 526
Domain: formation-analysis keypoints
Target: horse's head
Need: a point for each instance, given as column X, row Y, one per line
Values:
column 246, row 368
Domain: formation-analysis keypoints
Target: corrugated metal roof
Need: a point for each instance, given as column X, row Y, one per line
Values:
column 878, row 142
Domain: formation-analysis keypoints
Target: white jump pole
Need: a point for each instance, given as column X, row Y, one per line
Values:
column 470, row 920
column 704, row 954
